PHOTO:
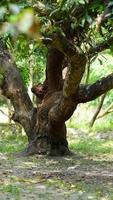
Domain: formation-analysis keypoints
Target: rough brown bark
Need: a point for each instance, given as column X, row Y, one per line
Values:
column 54, row 70
column 92, row 91
column 48, row 136
column 45, row 125
column 14, row 89
column 57, row 107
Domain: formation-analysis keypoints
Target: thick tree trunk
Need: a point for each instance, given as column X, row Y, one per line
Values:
column 58, row 104
column 47, row 138
column 45, row 125
column 43, row 135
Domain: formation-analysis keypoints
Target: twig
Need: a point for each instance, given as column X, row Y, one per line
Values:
column 98, row 110
column 88, row 73
column 4, row 113
column 107, row 111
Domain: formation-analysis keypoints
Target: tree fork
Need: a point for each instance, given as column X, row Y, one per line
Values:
column 47, row 137
column 45, row 125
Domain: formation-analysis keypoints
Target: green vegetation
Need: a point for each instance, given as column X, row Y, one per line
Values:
column 92, row 146
column 85, row 113
column 16, row 144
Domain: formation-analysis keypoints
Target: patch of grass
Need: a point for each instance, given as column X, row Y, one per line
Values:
column 73, row 123
column 81, row 190
column 11, row 189
column 95, row 191
column 92, row 146
column 10, row 143
column 103, row 124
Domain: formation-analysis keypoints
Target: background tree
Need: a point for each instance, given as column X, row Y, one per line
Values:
column 74, row 33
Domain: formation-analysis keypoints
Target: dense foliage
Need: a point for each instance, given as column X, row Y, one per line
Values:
column 25, row 23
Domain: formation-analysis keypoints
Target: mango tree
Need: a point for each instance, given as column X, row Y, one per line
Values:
column 74, row 32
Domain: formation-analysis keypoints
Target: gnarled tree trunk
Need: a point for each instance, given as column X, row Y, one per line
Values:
column 45, row 125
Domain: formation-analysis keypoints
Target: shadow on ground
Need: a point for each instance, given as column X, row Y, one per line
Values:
column 82, row 176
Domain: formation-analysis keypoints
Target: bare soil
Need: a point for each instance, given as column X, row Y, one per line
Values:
column 76, row 177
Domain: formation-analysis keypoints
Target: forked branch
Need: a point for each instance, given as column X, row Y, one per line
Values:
column 106, row 112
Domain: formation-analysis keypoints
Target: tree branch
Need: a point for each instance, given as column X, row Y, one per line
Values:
column 78, row 11
column 42, row 9
column 100, row 47
column 74, row 74
column 107, row 111
column 4, row 113
column 98, row 110
column 92, row 91
column 13, row 88
column 77, row 60
column 104, row 16
column 54, row 70
column 67, row 102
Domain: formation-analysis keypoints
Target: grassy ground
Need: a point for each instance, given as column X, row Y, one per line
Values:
column 87, row 174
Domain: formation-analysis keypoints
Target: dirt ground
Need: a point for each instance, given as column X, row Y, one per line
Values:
column 77, row 177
